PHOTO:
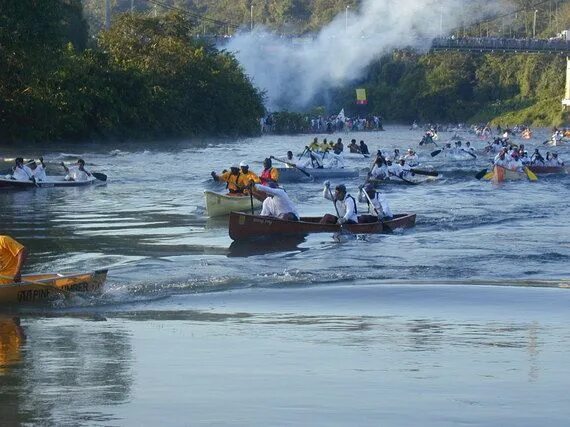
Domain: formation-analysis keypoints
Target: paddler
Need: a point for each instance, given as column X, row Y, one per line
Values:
column 22, row 172
column 314, row 146
column 269, row 173
column 277, row 203
column 379, row 209
column 12, row 257
column 345, row 205
column 231, row 178
column 76, row 172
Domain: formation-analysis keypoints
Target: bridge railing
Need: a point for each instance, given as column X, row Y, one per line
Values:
column 500, row 44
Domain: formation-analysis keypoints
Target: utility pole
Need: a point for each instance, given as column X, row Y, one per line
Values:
column 107, row 14
column 534, row 24
column 346, row 18
column 251, row 18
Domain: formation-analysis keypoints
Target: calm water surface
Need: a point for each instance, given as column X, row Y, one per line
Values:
column 462, row 320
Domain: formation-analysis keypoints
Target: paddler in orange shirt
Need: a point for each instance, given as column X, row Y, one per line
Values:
column 231, row 179
column 269, row 173
column 12, row 257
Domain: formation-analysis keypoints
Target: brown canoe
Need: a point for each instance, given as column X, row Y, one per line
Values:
column 246, row 226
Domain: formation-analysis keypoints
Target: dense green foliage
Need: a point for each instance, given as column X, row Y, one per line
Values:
column 147, row 77
column 458, row 87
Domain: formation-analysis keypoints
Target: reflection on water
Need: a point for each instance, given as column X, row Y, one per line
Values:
column 64, row 369
column 248, row 248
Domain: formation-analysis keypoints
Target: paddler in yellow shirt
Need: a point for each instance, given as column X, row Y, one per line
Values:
column 12, row 257
column 231, row 179
column 314, row 146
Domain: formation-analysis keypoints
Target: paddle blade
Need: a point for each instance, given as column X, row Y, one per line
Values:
column 488, row 175
column 481, row 173
column 435, row 153
column 99, row 176
column 424, row 172
column 531, row 175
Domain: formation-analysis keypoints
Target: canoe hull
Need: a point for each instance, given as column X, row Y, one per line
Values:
column 295, row 175
column 50, row 182
column 37, row 289
column 244, row 226
column 501, row 174
column 547, row 169
column 220, row 204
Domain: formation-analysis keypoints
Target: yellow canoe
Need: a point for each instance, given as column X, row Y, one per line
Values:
column 44, row 288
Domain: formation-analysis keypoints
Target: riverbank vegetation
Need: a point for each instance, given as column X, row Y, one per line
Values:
column 145, row 77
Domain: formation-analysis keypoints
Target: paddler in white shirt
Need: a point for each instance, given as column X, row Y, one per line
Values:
column 380, row 170
column 394, row 169
column 335, row 161
column 21, row 172
column 405, row 168
column 411, row 158
column 277, row 204
column 77, row 172
column 380, row 207
column 515, row 164
column 39, row 170
column 345, row 204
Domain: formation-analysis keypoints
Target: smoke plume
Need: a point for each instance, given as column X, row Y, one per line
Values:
column 292, row 72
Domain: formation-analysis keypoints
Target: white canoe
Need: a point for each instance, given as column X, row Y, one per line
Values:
column 309, row 174
column 50, row 181
column 218, row 204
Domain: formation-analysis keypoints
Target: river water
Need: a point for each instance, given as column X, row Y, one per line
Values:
column 462, row 319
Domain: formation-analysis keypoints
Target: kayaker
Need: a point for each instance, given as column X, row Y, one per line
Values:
column 277, row 203
column 345, row 205
column 76, row 172
column 22, row 172
column 12, row 258
column 411, row 157
column 269, row 173
column 379, row 209
column 231, row 178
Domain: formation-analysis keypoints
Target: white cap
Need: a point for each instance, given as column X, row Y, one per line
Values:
column 243, row 163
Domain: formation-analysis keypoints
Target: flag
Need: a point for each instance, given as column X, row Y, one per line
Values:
column 341, row 115
column 361, row 97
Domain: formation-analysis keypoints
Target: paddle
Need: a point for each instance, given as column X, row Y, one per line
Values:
column 251, row 198
column 342, row 229
column 489, row 175
column 303, row 153
column 424, row 172
column 481, row 173
column 435, row 153
column 292, row 165
column 530, row 174
column 99, row 176
column 378, row 214
column 470, row 153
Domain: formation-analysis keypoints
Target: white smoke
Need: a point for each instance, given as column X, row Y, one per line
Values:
column 292, row 72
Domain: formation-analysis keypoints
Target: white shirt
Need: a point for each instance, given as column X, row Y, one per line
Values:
column 411, row 159
column 346, row 208
column 277, row 205
column 395, row 169
column 77, row 175
column 379, row 172
column 40, row 173
column 23, row 173
column 336, row 161
column 379, row 203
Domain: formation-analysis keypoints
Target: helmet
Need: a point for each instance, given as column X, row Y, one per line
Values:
column 243, row 164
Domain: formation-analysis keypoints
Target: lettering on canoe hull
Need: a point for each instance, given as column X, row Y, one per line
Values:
column 262, row 221
column 32, row 295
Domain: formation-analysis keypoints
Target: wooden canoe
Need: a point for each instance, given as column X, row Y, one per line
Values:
column 300, row 174
column 547, row 169
column 218, row 204
column 51, row 181
column 245, row 226
column 44, row 288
